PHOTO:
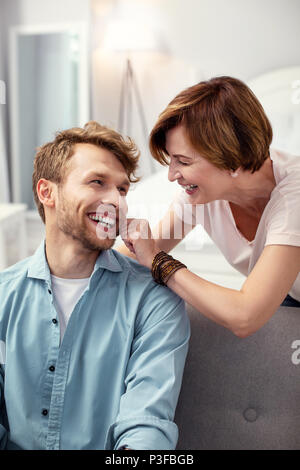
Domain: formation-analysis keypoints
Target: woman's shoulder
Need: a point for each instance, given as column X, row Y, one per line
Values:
column 286, row 166
column 283, row 210
column 286, row 169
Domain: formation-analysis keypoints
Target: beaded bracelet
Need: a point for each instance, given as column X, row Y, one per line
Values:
column 168, row 269
column 164, row 266
column 157, row 262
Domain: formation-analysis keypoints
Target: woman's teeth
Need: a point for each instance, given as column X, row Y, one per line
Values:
column 190, row 186
column 106, row 221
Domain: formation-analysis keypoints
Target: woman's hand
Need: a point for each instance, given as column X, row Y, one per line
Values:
column 138, row 238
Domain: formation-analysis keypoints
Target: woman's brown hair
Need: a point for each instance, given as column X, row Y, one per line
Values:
column 224, row 122
column 52, row 159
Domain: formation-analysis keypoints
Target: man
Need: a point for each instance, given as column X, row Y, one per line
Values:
column 94, row 349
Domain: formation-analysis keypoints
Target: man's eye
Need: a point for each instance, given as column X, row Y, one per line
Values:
column 123, row 190
column 98, row 182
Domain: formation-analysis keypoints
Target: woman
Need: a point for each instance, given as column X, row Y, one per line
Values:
column 216, row 139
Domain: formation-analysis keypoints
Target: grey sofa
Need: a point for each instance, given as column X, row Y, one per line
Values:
column 241, row 393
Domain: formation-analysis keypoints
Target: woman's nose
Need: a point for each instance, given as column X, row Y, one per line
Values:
column 173, row 174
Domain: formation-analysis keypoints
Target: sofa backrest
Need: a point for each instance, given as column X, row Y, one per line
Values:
column 241, row 393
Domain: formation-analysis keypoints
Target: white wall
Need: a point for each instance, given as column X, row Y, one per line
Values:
column 30, row 13
column 48, row 11
column 196, row 39
column 243, row 38
column 1, row 41
column 4, row 182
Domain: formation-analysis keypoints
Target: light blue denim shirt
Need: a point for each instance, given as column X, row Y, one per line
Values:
column 116, row 376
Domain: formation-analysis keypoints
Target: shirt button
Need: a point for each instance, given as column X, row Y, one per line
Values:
column 54, row 321
column 250, row 415
column 49, row 291
column 52, row 368
column 44, row 412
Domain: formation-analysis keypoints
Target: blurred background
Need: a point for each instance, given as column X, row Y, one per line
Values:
column 64, row 62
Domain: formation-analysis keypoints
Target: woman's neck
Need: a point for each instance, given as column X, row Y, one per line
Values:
column 252, row 191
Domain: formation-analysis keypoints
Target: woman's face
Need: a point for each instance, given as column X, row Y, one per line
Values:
column 201, row 180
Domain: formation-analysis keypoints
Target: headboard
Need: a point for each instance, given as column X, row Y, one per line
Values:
column 279, row 93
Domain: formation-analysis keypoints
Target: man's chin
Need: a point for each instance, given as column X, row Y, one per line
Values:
column 106, row 244
column 100, row 239
column 98, row 244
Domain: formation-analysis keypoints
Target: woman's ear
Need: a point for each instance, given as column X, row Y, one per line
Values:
column 235, row 174
column 46, row 191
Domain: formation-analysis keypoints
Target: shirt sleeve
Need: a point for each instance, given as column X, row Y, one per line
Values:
column 154, row 375
column 283, row 227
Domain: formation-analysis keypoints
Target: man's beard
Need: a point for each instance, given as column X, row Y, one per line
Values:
column 78, row 230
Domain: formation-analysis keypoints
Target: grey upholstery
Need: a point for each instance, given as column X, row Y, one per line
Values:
column 241, row 393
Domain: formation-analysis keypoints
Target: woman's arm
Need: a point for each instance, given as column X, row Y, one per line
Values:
column 243, row 311
column 247, row 310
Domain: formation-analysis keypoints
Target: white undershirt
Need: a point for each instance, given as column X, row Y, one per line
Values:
column 66, row 293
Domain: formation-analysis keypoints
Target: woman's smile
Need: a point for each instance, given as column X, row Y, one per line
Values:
column 190, row 188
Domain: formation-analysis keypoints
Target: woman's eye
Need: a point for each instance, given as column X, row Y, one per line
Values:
column 97, row 182
column 123, row 190
column 183, row 163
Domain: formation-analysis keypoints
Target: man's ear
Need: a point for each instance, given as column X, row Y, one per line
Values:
column 46, row 191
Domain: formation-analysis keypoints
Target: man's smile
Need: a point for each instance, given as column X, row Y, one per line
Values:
column 105, row 220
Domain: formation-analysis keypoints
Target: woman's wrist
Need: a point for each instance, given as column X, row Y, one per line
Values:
column 164, row 266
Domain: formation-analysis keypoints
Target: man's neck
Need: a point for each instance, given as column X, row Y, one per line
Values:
column 70, row 260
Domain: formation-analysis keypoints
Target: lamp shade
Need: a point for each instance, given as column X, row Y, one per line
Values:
column 124, row 35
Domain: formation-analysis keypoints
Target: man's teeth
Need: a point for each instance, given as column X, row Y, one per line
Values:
column 103, row 220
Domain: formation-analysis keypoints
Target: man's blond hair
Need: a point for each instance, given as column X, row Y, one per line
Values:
column 52, row 159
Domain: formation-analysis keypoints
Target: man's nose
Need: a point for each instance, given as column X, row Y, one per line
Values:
column 112, row 197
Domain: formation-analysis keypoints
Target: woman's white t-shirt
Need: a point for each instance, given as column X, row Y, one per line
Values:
column 279, row 224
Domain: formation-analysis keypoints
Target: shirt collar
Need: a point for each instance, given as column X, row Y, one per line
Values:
column 39, row 269
column 108, row 260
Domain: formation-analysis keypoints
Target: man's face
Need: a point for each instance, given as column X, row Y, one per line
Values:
column 91, row 200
